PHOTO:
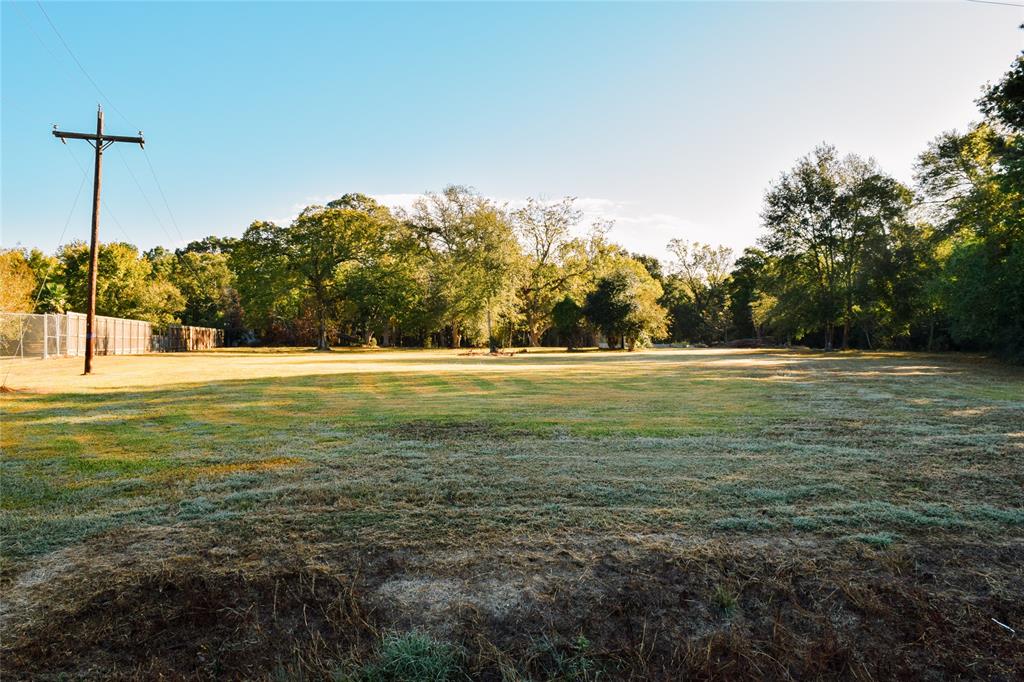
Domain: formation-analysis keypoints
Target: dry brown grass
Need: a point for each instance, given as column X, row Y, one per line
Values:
column 175, row 604
column 659, row 515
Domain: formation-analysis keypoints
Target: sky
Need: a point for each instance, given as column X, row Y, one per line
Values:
column 671, row 118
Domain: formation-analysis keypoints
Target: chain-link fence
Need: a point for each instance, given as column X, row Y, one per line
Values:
column 33, row 336
column 27, row 335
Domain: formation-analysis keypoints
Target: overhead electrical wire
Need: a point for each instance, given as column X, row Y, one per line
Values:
column 152, row 169
column 80, row 67
column 49, row 268
column 996, row 2
column 106, row 202
column 172, row 240
column 159, row 187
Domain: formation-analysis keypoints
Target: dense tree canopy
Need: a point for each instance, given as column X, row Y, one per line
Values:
column 826, row 220
column 624, row 304
column 698, row 294
column 555, row 261
column 127, row 285
column 474, row 260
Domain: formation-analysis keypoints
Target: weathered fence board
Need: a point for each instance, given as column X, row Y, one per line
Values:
column 179, row 338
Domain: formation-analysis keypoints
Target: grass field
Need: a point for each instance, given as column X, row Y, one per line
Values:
column 368, row 515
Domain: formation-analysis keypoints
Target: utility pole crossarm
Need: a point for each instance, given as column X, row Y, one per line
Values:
column 93, row 137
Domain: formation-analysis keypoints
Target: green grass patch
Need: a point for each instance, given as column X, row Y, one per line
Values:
column 412, row 657
column 429, row 447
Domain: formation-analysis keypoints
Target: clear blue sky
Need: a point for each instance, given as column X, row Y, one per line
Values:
column 671, row 118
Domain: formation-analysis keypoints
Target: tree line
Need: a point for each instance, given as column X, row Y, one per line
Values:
column 848, row 257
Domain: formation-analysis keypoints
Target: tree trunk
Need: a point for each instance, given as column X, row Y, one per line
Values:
column 456, row 335
column 534, row 334
column 846, row 333
column 829, row 330
column 322, row 331
column 492, row 345
column 367, row 336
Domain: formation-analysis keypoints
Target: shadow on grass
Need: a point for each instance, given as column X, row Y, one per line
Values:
column 717, row 441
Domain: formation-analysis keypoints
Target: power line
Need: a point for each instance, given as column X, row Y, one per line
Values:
column 9, row 102
column 74, row 204
column 106, row 204
column 39, row 38
column 80, row 67
column 49, row 268
column 163, row 196
column 145, row 196
column 152, row 169
column 128, row 239
column 996, row 2
column 99, row 142
column 173, row 242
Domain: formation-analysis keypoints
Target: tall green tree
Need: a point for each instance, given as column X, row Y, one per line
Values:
column 281, row 269
column 745, row 283
column 387, row 291
column 210, row 244
column 567, row 318
column 475, row 261
column 971, row 197
column 1003, row 106
column 52, row 294
column 207, row 283
column 823, row 219
column 624, row 305
column 555, row 261
column 702, row 272
column 316, row 244
column 270, row 293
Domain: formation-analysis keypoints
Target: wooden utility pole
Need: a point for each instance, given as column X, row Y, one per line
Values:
column 99, row 141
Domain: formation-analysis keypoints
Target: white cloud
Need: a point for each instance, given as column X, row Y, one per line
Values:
column 403, row 201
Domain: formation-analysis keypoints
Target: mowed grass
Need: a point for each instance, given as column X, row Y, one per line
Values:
column 434, row 448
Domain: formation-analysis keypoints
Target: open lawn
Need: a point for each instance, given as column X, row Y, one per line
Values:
column 717, row 513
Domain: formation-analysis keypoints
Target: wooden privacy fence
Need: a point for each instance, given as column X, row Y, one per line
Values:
column 41, row 336
column 179, row 337
column 114, row 335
